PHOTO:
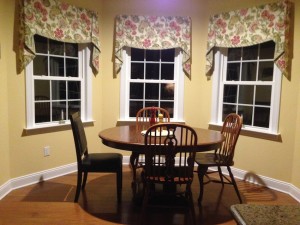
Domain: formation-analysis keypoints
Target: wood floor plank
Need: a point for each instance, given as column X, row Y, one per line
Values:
column 51, row 202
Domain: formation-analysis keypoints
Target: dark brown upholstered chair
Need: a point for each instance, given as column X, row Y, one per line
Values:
column 143, row 117
column 169, row 163
column 93, row 162
column 222, row 157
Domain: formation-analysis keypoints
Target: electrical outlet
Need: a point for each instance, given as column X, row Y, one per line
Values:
column 46, row 150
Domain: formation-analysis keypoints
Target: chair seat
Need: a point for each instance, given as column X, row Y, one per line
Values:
column 105, row 162
column 211, row 159
column 165, row 180
column 159, row 174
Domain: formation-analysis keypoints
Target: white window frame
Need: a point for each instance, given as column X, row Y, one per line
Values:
column 178, row 92
column 220, row 64
column 84, row 75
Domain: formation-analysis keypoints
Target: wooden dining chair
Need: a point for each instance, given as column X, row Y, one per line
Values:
column 169, row 162
column 222, row 157
column 93, row 162
column 143, row 122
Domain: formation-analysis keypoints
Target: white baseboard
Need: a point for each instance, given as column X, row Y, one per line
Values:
column 34, row 178
column 26, row 180
column 271, row 183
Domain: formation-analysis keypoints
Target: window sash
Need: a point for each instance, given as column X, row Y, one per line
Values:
column 85, row 77
column 219, row 79
column 125, row 86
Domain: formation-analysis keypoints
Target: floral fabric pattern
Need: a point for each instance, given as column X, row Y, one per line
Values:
column 251, row 26
column 153, row 32
column 58, row 21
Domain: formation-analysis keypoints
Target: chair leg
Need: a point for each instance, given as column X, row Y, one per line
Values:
column 234, row 184
column 191, row 206
column 84, row 180
column 119, row 185
column 144, row 204
column 79, row 181
column 221, row 175
column 133, row 163
column 201, row 173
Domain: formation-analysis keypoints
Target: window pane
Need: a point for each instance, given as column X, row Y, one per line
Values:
column 263, row 95
column 40, row 65
column 233, row 71
column 168, row 55
column 134, row 107
column 74, row 90
column 167, row 71
column 42, row 89
column 168, row 106
column 72, row 67
column 167, row 91
column 261, row 117
column 59, row 111
column 227, row 109
column 234, row 54
column 265, row 72
column 153, row 55
column 151, row 103
column 56, row 47
column 230, row 93
column 137, row 71
column 250, row 52
column 56, row 66
column 137, row 54
column 246, row 94
column 71, row 49
column 42, row 112
column 58, row 90
column 246, row 112
column 40, row 44
column 152, row 91
column 249, row 71
column 267, row 50
column 74, row 106
column 136, row 91
column 152, row 71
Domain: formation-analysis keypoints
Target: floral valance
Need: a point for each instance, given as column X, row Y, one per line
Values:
column 251, row 26
column 59, row 21
column 153, row 32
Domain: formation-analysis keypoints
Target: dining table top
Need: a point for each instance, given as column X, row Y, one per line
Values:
column 129, row 138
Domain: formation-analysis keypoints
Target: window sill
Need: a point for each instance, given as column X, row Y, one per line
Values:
column 251, row 133
column 52, row 127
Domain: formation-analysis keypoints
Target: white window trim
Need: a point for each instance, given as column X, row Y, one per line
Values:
column 217, row 90
column 84, row 53
column 178, row 94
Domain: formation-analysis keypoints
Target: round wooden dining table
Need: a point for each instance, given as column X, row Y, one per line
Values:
column 130, row 138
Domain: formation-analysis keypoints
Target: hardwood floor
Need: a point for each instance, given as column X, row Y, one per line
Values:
column 51, row 202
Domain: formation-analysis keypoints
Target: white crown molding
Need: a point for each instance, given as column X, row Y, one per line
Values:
column 26, row 180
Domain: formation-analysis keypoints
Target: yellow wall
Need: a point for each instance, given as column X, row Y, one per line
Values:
column 4, row 70
column 22, row 154
column 296, row 107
